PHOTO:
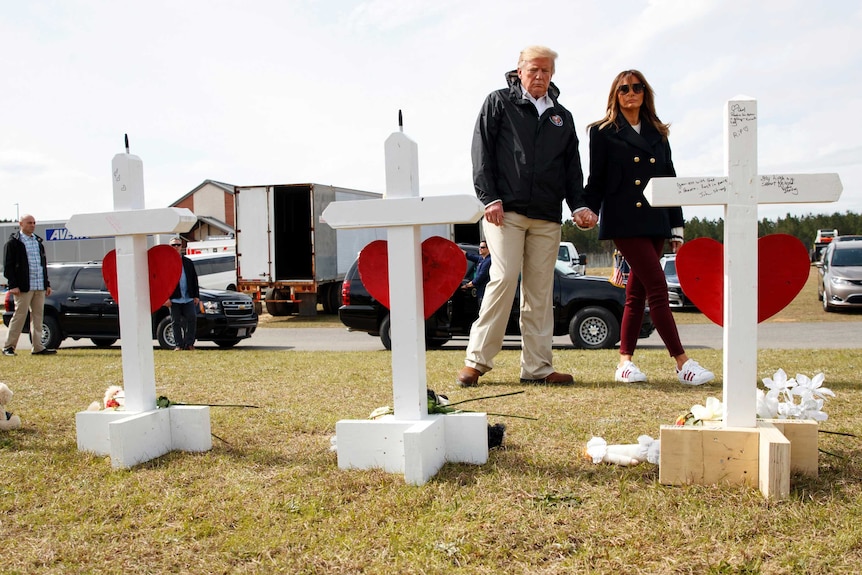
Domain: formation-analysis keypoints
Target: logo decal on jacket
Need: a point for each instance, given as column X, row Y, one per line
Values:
column 557, row 120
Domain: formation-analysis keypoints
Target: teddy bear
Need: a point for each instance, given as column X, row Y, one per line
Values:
column 8, row 421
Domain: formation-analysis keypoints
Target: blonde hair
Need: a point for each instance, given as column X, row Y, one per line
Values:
column 533, row 52
column 647, row 111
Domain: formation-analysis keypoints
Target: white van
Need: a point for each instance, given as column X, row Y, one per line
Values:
column 215, row 270
column 567, row 253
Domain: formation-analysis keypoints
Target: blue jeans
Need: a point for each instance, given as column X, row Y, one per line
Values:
column 184, row 318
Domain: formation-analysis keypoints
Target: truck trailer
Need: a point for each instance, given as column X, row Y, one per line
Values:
column 287, row 258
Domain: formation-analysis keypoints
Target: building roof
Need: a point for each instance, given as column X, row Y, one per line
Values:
column 228, row 188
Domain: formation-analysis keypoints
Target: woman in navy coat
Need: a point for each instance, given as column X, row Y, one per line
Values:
column 627, row 148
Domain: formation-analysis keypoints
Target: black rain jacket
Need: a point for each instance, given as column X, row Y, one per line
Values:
column 531, row 163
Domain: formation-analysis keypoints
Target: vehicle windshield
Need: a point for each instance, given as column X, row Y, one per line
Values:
column 670, row 267
column 844, row 258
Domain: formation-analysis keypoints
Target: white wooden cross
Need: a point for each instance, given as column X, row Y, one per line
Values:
column 140, row 432
column 740, row 191
column 413, row 442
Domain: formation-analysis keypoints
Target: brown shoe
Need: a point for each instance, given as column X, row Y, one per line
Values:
column 468, row 377
column 553, row 378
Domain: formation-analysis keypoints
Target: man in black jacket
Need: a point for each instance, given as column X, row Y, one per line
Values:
column 184, row 303
column 525, row 164
column 26, row 269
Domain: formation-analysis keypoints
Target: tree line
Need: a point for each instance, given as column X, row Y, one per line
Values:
column 802, row 227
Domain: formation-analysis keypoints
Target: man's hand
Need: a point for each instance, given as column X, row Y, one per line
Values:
column 494, row 213
column 585, row 219
column 15, row 291
column 48, row 291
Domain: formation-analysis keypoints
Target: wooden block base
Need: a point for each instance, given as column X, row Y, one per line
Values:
column 761, row 457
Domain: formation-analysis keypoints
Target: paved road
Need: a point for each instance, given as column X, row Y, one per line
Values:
column 834, row 335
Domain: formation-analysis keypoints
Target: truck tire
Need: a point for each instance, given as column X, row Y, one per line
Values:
column 594, row 327
column 165, row 333
column 277, row 308
column 330, row 297
column 226, row 343
column 103, row 342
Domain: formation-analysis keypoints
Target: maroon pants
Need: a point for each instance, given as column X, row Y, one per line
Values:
column 646, row 283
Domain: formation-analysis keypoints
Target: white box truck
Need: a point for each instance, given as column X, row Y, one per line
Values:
column 286, row 257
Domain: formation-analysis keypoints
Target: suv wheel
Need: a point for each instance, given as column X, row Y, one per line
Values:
column 385, row 336
column 103, row 341
column 51, row 336
column 594, row 328
column 165, row 333
column 226, row 343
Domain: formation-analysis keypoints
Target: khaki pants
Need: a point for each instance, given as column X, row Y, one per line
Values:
column 527, row 248
column 34, row 302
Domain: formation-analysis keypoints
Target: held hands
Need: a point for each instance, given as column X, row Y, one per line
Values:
column 585, row 219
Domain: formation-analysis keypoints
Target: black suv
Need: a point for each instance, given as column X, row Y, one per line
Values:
column 587, row 308
column 80, row 306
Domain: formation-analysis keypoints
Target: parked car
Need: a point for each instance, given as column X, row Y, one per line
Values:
column 80, row 306
column 840, row 285
column 678, row 299
column 586, row 308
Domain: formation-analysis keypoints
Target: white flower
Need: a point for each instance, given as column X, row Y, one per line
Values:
column 813, row 385
column 712, row 411
column 767, row 407
column 779, row 382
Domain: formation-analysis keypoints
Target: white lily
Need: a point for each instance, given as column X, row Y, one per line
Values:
column 767, row 405
column 712, row 411
column 814, row 385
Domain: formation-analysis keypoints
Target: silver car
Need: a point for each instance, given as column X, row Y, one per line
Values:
column 840, row 284
column 678, row 300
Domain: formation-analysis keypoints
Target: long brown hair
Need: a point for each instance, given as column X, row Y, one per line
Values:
column 647, row 111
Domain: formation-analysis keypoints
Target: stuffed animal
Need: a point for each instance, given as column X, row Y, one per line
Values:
column 8, row 421
column 646, row 449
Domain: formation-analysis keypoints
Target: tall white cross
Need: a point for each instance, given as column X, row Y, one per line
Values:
column 412, row 442
column 402, row 212
column 740, row 191
column 130, row 223
column 140, row 432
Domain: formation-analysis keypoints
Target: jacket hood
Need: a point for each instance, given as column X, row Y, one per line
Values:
column 515, row 90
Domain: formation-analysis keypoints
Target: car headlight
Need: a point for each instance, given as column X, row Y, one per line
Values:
column 210, row 306
column 840, row 281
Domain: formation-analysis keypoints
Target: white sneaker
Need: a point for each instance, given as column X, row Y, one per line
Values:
column 693, row 374
column 629, row 373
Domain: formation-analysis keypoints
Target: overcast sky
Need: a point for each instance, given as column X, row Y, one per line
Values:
column 294, row 91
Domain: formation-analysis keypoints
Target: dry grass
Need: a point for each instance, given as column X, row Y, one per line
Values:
column 272, row 499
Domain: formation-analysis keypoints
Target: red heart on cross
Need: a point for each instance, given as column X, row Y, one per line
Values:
column 165, row 267
column 443, row 268
column 782, row 270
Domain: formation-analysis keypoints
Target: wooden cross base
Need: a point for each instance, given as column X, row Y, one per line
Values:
column 130, row 438
column 762, row 457
column 418, row 449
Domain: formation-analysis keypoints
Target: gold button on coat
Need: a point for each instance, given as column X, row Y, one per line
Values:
column 652, row 160
column 637, row 182
column 637, row 159
column 637, row 205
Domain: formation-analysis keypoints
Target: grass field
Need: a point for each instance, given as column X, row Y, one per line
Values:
column 269, row 497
